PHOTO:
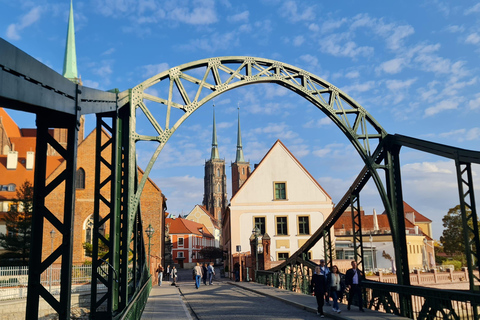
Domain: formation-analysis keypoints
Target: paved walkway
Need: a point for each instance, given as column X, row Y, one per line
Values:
column 166, row 302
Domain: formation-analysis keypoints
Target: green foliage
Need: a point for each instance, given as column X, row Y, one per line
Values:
column 18, row 222
column 456, row 264
column 211, row 253
column 102, row 248
column 452, row 236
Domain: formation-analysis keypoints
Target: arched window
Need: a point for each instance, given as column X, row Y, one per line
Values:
column 218, row 172
column 89, row 229
column 80, row 179
column 218, row 188
column 243, row 170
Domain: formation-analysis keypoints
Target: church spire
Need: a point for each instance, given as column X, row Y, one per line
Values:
column 215, row 154
column 239, row 157
column 70, row 62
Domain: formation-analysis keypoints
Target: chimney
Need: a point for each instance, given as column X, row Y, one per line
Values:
column 30, row 160
column 12, row 160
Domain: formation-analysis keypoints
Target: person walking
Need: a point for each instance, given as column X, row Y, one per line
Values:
column 211, row 273
column 173, row 274
column 335, row 287
column 326, row 273
column 353, row 280
column 167, row 273
column 318, row 287
column 160, row 274
column 205, row 271
column 197, row 270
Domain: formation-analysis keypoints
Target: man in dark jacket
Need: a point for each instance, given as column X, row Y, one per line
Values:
column 353, row 280
column 319, row 287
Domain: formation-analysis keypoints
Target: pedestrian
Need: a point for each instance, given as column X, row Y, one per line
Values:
column 204, row 270
column 326, row 273
column 318, row 287
column 167, row 274
column 211, row 273
column 335, row 287
column 173, row 274
column 197, row 270
column 160, row 274
column 236, row 269
column 353, row 280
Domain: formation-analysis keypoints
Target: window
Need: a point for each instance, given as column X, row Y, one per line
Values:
column 282, row 256
column 80, row 179
column 282, row 229
column 89, row 230
column 243, row 170
column 303, row 225
column 218, row 172
column 280, row 192
column 11, row 187
column 180, row 254
column 259, row 223
column 180, row 242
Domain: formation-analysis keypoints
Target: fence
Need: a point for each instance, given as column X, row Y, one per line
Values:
column 14, row 280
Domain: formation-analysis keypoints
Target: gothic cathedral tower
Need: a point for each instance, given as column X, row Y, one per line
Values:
column 240, row 168
column 215, row 194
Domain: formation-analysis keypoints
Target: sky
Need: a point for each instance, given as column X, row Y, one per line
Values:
column 413, row 65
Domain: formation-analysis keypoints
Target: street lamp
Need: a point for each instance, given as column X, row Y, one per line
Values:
column 256, row 233
column 149, row 233
column 52, row 235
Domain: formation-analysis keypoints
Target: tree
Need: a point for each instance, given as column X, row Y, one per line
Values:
column 211, row 253
column 18, row 222
column 452, row 238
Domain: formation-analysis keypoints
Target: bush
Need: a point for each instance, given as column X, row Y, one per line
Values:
column 456, row 264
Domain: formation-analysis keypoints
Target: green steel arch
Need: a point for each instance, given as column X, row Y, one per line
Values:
column 214, row 76
column 191, row 85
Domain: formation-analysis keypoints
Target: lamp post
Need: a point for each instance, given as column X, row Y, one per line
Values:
column 52, row 235
column 256, row 233
column 149, row 233
column 371, row 250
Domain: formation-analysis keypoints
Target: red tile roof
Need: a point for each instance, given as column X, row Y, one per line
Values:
column 184, row 226
column 418, row 216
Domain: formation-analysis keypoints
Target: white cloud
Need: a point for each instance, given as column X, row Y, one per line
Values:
column 352, row 75
column 13, row 30
column 339, row 45
column 399, row 84
column 154, row 69
column 108, row 52
column 473, row 38
column 334, row 149
column 91, row 84
column 460, row 135
column 331, row 25
column 474, row 9
column 313, row 27
column 214, row 42
column 455, row 29
column 325, row 121
column 291, row 12
column 311, row 60
column 298, row 41
column 441, row 106
column 392, row 66
column 359, row 87
column 239, row 17
column 395, row 41
column 202, row 13
column 474, row 104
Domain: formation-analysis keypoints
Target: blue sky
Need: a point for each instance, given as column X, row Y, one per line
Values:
column 413, row 65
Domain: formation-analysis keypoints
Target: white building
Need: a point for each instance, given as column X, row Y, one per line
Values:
column 283, row 200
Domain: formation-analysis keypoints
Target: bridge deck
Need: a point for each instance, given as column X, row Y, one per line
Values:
column 165, row 302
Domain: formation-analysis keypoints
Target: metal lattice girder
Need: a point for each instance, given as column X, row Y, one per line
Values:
column 470, row 221
column 42, row 213
column 357, row 231
column 106, row 158
column 328, row 247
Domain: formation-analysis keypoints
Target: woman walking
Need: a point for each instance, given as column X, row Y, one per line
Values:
column 335, row 287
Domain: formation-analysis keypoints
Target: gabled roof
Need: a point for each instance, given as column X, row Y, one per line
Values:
column 279, row 143
column 418, row 216
column 184, row 226
column 10, row 126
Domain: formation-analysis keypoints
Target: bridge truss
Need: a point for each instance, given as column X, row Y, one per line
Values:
column 28, row 85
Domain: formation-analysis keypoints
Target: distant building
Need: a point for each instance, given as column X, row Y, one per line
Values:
column 281, row 199
column 201, row 215
column 188, row 238
column 421, row 253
